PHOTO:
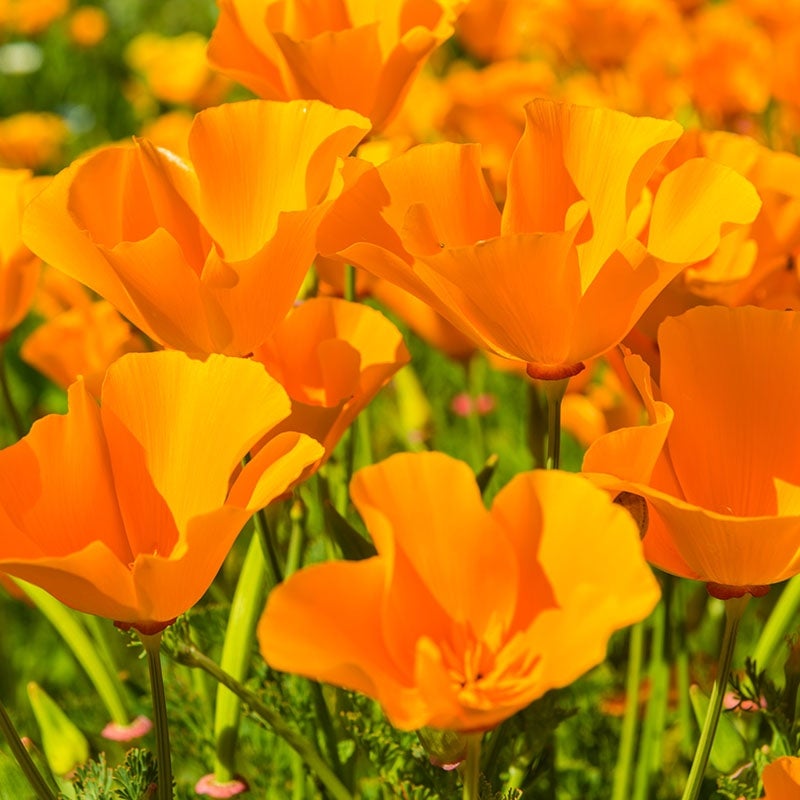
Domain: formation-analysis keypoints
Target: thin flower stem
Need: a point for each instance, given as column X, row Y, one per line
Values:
column 780, row 622
column 152, row 646
column 8, row 401
column 68, row 625
column 246, row 607
column 734, row 608
column 297, row 537
column 651, row 744
column 554, row 393
column 627, row 742
column 472, row 767
column 23, row 758
column 350, row 283
column 264, row 531
column 192, row 657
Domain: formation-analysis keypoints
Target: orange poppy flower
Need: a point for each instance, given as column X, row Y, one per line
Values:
column 83, row 341
column 580, row 249
column 717, row 462
column 30, row 17
column 99, row 508
column 208, row 257
column 782, row 779
column 88, row 26
column 347, row 53
column 466, row 615
column 32, row 140
column 19, row 267
column 332, row 357
column 175, row 68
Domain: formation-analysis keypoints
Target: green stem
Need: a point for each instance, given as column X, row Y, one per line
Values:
column 734, row 608
column 297, row 537
column 246, row 607
column 85, row 650
column 350, row 283
column 264, row 531
column 554, row 393
column 650, row 746
column 8, row 401
column 471, row 774
column 152, row 646
column 627, row 742
column 782, row 619
column 23, row 758
column 192, row 657
column 537, row 424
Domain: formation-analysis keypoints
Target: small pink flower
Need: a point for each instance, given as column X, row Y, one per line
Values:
column 208, row 785
column 484, row 404
column 461, row 405
column 116, row 732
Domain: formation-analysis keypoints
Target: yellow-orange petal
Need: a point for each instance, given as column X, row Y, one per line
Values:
column 282, row 159
column 737, row 361
column 444, row 560
column 325, row 598
column 56, row 485
column 695, row 204
column 154, row 433
column 561, row 148
column 600, row 582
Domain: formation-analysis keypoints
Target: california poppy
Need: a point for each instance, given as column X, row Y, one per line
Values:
column 331, row 357
column 128, row 510
column 717, row 462
column 206, row 257
column 356, row 55
column 466, row 615
column 580, row 250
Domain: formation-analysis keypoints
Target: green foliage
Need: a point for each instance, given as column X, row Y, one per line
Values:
column 134, row 779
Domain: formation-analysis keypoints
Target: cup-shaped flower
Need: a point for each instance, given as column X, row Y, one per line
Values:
column 782, row 779
column 127, row 510
column 332, row 357
column 717, row 462
column 351, row 54
column 466, row 615
column 581, row 247
column 207, row 257
column 19, row 267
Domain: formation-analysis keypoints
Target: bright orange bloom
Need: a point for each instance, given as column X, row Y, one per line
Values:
column 83, row 341
column 332, row 357
column 717, row 462
column 351, row 54
column 580, row 249
column 782, row 779
column 171, row 132
column 175, row 69
column 32, row 140
column 19, row 268
column 88, row 26
column 465, row 616
column 30, row 16
column 205, row 257
column 125, row 511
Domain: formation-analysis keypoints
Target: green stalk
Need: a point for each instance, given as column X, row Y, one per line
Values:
column 192, row 657
column 152, row 646
column 68, row 625
column 264, row 531
column 246, row 607
column 8, row 401
column 781, row 621
column 297, row 537
column 734, row 608
column 650, row 746
column 627, row 741
column 554, row 394
column 23, row 758
column 471, row 774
